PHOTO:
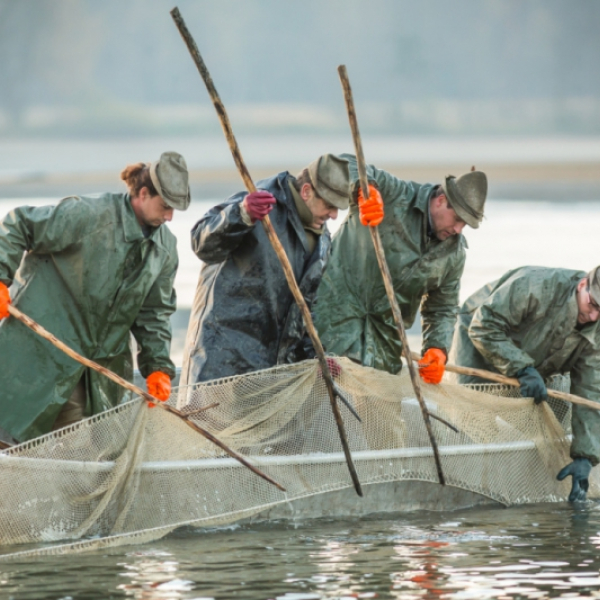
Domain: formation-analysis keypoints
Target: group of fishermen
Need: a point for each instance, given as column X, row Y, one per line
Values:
column 96, row 270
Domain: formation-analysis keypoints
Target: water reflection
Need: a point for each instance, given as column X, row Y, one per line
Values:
column 547, row 551
column 153, row 577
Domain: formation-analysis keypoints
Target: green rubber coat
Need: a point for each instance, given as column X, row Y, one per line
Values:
column 353, row 314
column 528, row 317
column 90, row 277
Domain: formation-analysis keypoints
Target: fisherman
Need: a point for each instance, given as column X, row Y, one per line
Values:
column 532, row 323
column 95, row 269
column 244, row 316
column 425, row 251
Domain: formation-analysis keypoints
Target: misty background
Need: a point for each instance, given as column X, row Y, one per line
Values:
column 119, row 67
column 510, row 86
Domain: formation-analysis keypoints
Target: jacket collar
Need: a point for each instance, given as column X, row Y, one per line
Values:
column 422, row 200
column 292, row 211
column 421, row 203
column 132, row 230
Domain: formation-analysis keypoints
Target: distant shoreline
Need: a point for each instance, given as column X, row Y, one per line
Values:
column 545, row 168
column 548, row 182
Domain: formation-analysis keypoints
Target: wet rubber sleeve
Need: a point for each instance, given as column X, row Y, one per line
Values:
column 220, row 231
column 41, row 229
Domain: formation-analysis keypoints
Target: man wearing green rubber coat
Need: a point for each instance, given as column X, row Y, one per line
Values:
column 92, row 270
column 534, row 322
column 425, row 251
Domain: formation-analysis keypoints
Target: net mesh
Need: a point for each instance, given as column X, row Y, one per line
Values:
column 132, row 475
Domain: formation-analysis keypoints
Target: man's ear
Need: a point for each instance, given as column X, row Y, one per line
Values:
column 305, row 192
column 144, row 193
column 583, row 283
column 440, row 201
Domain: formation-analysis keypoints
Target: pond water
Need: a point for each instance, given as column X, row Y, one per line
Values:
column 543, row 551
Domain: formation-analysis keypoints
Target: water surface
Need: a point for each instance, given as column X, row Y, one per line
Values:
column 543, row 551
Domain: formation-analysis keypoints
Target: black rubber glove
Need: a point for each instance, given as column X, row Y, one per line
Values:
column 532, row 384
column 579, row 469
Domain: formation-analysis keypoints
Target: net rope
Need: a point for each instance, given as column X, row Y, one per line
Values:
column 132, row 474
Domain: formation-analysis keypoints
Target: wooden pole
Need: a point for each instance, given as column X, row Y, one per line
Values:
column 37, row 328
column 272, row 235
column 498, row 378
column 385, row 271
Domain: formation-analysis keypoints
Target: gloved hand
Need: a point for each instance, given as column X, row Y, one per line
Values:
column 334, row 367
column 532, row 384
column 431, row 366
column 259, row 204
column 159, row 386
column 370, row 209
column 4, row 301
column 579, row 469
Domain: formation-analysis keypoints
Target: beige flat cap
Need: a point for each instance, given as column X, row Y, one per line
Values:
column 169, row 175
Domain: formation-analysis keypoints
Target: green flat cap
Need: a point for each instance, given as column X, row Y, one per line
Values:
column 467, row 196
column 594, row 279
column 169, row 175
column 330, row 177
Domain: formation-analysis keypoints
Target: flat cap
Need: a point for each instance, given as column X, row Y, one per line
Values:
column 169, row 175
column 330, row 177
column 467, row 196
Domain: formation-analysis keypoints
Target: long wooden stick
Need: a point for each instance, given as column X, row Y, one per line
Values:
column 498, row 378
column 383, row 266
column 272, row 235
column 15, row 312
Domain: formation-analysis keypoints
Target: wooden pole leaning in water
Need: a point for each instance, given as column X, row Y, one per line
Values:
column 512, row 381
column 272, row 235
column 37, row 328
column 385, row 271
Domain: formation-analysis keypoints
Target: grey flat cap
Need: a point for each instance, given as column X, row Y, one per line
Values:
column 330, row 177
column 467, row 196
column 169, row 175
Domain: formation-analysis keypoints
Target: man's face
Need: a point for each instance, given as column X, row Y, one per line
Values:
column 321, row 210
column 151, row 211
column 444, row 221
column 587, row 310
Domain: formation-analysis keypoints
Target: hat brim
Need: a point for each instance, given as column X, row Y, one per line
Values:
column 325, row 192
column 179, row 203
column 452, row 194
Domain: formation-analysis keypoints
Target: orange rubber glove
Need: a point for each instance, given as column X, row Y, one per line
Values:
column 431, row 366
column 371, row 209
column 159, row 386
column 4, row 301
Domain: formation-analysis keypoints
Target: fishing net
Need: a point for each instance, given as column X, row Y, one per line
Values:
column 133, row 474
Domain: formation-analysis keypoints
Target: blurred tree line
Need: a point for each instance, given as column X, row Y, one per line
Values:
column 467, row 66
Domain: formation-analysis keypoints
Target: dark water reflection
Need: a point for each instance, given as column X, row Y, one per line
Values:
column 541, row 551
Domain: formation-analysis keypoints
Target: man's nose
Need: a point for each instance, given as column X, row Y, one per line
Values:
column 459, row 227
column 595, row 314
column 333, row 213
column 169, row 215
